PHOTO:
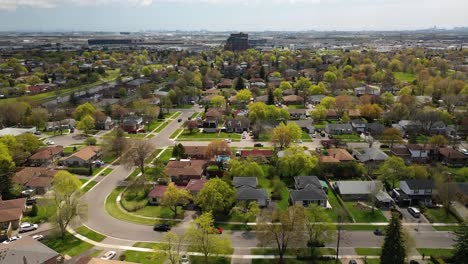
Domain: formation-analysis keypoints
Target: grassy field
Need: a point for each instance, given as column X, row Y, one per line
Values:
column 435, row 252
column 368, row 251
column 438, row 215
column 84, row 231
column 196, row 135
column 404, row 77
column 365, row 215
column 45, row 209
column 148, row 245
column 88, row 187
column 116, row 212
column 152, row 156
column 143, row 257
column 166, row 155
column 149, row 210
column 69, row 245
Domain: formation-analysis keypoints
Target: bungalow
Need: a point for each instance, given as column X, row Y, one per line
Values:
column 11, row 213
column 28, row 250
column 212, row 118
column 338, row 129
column 103, row 122
column 297, row 113
column 367, row 90
column 83, row 157
column 237, row 125
column 38, row 178
column 315, row 99
column 265, row 153
column 292, row 99
column 305, row 125
column 356, row 190
column 308, row 190
column 419, row 153
column 375, row 129
column 195, row 152
column 452, row 157
column 195, row 185
column 415, row 191
column 247, row 191
column 155, row 195
column 366, row 155
column 181, row 172
column 336, row 155
column 332, row 115
column 132, row 124
column 45, row 156
column 358, row 125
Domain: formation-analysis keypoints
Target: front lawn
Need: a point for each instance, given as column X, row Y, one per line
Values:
column 154, row 124
column 148, row 245
column 197, row 135
column 45, row 209
column 336, row 207
column 84, row 231
column 305, row 137
column 293, row 251
column 362, row 227
column 438, row 215
column 349, row 138
column 152, row 156
column 161, row 127
column 143, row 257
column 138, row 205
column 133, row 175
column 363, row 214
column 435, row 252
column 88, row 186
column 176, row 132
column 113, row 210
column 447, row 228
column 69, row 245
column 166, row 155
column 368, row 251
column 284, row 202
column 213, row 260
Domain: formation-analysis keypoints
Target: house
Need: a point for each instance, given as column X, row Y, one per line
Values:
column 305, row 125
column 438, row 128
column 336, row 155
column 28, row 250
column 358, row 125
column 366, row 155
column 195, row 185
column 354, row 113
column 11, row 213
column 182, row 171
column 195, row 152
column 16, row 131
column 308, row 190
column 339, row 129
column 452, row 157
column 83, row 157
column 262, row 98
column 415, row 191
column 265, row 153
column 289, row 92
column 408, row 127
column 237, row 125
column 212, row 118
column 38, row 178
column 104, row 123
column 419, row 153
column 366, row 90
column 332, row 115
column 46, row 156
column 292, row 99
column 375, row 129
column 155, row 195
column 136, row 83
column 315, row 99
column 247, row 191
column 225, row 83
column 298, row 113
column 132, row 124
column 356, row 190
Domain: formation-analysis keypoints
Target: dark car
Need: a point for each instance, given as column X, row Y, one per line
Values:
column 352, row 261
column 378, row 232
column 31, row 201
column 162, row 228
column 179, row 120
column 258, row 145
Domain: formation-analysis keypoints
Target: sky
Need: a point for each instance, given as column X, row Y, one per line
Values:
column 230, row 15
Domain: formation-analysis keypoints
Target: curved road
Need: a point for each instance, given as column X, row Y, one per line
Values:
column 125, row 233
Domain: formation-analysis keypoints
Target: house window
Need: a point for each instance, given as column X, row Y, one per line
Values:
column 416, row 191
column 428, row 191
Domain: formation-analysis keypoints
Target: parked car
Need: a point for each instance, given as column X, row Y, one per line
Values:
column 184, row 259
column 378, row 232
column 179, row 120
column 162, row 228
column 414, row 212
column 352, row 261
column 37, row 133
column 48, row 142
column 31, row 201
column 259, row 145
column 109, row 255
column 26, row 227
column 27, row 192
column 11, row 239
column 38, row 237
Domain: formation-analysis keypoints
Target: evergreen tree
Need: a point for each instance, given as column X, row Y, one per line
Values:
column 73, row 99
column 461, row 247
column 271, row 98
column 46, row 78
column 262, row 72
column 178, row 151
column 393, row 250
column 240, row 83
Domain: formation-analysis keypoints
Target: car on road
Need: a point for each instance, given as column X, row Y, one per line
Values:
column 414, row 212
column 109, row 255
column 162, row 228
column 48, row 142
column 37, row 133
column 11, row 239
column 179, row 120
column 378, row 232
column 184, row 259
column 31, row 201
column 26, row 227
column 38, row 237
column 258, row 145
column 228, row 140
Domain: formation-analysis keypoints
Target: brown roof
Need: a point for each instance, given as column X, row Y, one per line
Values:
column 213, row 113
column 354, row 112
column 331, row 112
column 47, row 153
column 340, row 154
column 40, row 181
column 11, row 210
column 87, row 153
column 158, row 191
column 185, row 168
column 419, row 147
column 292, row 98
column 256, row 152
column 196, row 184
column 451, row 153
column 195, row 150
column 400, row 151
column 328, row 159
column 27, row 174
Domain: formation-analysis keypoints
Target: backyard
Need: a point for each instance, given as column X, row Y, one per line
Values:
column 197, row 135
column 69, row 245
column 363, row 214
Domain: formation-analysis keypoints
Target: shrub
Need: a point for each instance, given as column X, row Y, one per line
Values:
column 33, row 211
column 91, row 141
column 79, row 170
column 122, row 257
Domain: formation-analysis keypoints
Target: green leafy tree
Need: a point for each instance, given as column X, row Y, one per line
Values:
column 283, row 135
column 302, row 84
column 216, row 196
column 86, row 123
column 174, row 197
column 245, row 168
column 393, row 250
column 6, row 165
column 178, row 151
column 393, row 169
column 285, row 85
column 296, row 162
column 244, row 95
column 203, row 238
column 217, row 101
column 319, row 113
column 246, row 210
column 328, row 102
column 84, row 110
column 329, row 77
column 319, row 226
column 392, row 136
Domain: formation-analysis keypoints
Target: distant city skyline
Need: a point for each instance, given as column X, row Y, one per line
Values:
column 230, row 15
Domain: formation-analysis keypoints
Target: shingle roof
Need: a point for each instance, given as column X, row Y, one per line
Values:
column 308, row 194
column 245, row 181
column 368, row 154
column 86, row 153
column 340, row 154
column 195, row 150
column 26, row 248
column 256, row 152
column 302, row 182
column 414, row 184
column 47, row 153
column 196, row 184
column 185, row 168
column 249, row 193
column 11, row 210
column 356, row 187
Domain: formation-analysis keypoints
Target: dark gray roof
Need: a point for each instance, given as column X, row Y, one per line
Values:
column 138, row 82
column 26, row 248
column 303, row 182
column 420, row 184
column 307, row 194
column 246, row 193
column 357, row 187
column 370, row 154
column 346, row 126
column 244, row 181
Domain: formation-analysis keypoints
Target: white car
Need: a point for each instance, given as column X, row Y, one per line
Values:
column 48, row 142
column 38, row 237
column 26, row 227
column 184, row 259
column 109, row 255
column 11, row 239
column 228, row 140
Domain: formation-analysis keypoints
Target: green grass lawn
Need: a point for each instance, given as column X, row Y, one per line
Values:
column 305, row 137
column 174, row 115
column 70, row 149
column 336, row 207
column 116, row 212
column 161, row 127
column 446, row 228
column 143, row 257
column 88, row 186
column 211, row 260
column 293, row 251
column 84, row 231
column 184, row 106
column 368, row 251
column 197, row 135
column 166, row 155
column 109, row 158
column 435, row 252
column 153, row 124
column 175, row 133
column 152, row 156
column 365, row 215
column 69, row 245
column 292, row 261
column 349, row 138
column 102, row 172
column 233, row 227
column 438, row 215
column 195, row 115
column 148, row 245
column 132, row 175
column 404, row 77
column 296, row 106
column 284, row 202
column 373, row 261
column 264, row 137
column 45, row 209
column 149, row 210
column 361, row 227
column 136, row 136
column 320, row 124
